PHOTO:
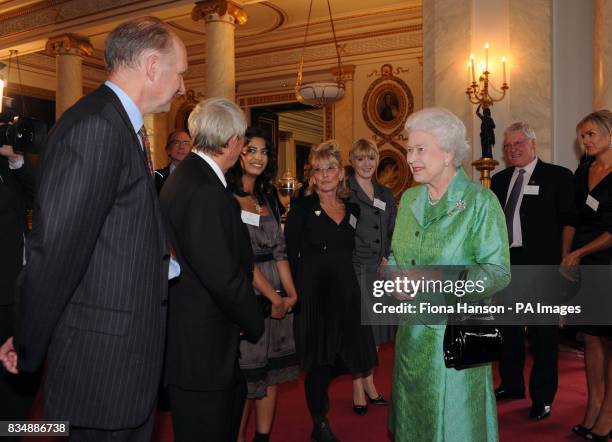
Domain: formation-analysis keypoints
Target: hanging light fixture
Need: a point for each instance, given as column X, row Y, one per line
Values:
column 4, row 81
column 319, row 93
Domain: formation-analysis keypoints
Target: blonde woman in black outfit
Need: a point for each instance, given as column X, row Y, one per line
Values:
column 320, row 233
column 592, row 245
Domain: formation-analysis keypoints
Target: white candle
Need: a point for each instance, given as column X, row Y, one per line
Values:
column 504, row 68
column 472, row 63
column 486, row 56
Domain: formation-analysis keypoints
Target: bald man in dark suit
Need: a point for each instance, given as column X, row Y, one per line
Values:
column 93, row 296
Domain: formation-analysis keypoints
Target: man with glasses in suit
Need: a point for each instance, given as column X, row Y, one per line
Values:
column 178, row 147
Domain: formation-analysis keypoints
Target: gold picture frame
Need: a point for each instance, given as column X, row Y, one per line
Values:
column 387, row 104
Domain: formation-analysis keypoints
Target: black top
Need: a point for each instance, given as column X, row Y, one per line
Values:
column 593, row 222
column 328, row 330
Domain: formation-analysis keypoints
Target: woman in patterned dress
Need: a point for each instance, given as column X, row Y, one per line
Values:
column 271, row 360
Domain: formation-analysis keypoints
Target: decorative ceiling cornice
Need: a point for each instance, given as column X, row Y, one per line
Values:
column 40, row 19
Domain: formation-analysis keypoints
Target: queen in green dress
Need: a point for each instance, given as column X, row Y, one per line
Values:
column 448, row 220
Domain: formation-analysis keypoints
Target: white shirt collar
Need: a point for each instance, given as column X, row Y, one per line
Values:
column 528, row 167
column 212, row 164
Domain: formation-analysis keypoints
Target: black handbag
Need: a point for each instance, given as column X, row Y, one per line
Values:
column 467, row 345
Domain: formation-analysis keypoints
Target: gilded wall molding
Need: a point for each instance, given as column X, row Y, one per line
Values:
column 361, row 45
column 30, row 91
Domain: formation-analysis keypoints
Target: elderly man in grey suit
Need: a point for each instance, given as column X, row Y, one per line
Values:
column 93, row 295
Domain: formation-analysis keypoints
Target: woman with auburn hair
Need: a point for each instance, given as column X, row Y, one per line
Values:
column 592, row 245
column 320, row 233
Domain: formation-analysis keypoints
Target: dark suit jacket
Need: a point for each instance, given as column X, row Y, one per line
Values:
column 95, row 285
column 16, row 191
column 542, row 216
column 213, row 299
column 160, row 177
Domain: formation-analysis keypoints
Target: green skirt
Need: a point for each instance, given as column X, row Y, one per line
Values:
column 432, row 403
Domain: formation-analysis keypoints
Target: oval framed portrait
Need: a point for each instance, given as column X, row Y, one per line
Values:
column 393, row 171
column 387, row 104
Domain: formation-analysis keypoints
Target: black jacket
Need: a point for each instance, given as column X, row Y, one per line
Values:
column 213, row 300
column 544, row 215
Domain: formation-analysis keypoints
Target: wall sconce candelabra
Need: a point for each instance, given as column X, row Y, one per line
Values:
column 479, row 93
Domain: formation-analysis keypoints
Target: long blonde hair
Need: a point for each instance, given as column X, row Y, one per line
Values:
column 328, row 152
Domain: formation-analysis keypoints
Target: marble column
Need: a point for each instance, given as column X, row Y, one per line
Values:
column 68, row 50
column 447, row 29
column 220, row 17
column 343, row 111
column 530, row 75
column 602, row 63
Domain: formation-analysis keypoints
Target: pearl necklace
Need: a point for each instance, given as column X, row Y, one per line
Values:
column 431, row 201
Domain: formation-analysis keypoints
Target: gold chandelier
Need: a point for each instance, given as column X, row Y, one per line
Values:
column 319, row 93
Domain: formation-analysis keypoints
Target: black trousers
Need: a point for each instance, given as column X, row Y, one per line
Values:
column 544, row 340
column 543, row 379
column 316, row 386
column 17, row 392
column 141, row 433
column 207, row 416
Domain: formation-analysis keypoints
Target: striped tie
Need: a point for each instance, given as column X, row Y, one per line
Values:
column 510, row 208
column 146, row 147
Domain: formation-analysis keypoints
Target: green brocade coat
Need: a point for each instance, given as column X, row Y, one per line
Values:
column 430, row 402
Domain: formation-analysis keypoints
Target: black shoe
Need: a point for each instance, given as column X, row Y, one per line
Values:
column 597, row 437
column 360, row 409
column 502, row 394
column 321, row 432
column 580, row 430
column 540, row 411
column 380, row 400
column 261, row 437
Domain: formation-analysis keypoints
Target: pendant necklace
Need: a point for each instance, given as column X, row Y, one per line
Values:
column 257, row 205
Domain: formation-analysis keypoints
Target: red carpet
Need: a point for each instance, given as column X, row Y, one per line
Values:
column 293, row 422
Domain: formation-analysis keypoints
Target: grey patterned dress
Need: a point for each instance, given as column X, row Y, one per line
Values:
column 272, row 359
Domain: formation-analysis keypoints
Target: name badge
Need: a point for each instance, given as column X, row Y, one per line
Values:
column 379, row 204
column 353, row 221
column 592, row 203
column 250, row 218
column 531, row 190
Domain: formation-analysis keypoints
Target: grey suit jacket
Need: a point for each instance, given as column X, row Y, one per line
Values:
column 94, row 290
column 375, row 226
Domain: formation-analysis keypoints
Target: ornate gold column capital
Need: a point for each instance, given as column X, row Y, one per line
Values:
column 219, row 10
column 344, row 73
column 72, row 44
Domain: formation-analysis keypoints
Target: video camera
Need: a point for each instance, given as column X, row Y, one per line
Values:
column 24, row 134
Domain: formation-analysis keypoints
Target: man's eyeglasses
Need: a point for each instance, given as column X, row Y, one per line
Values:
column 518, row 143
column 184, row 143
